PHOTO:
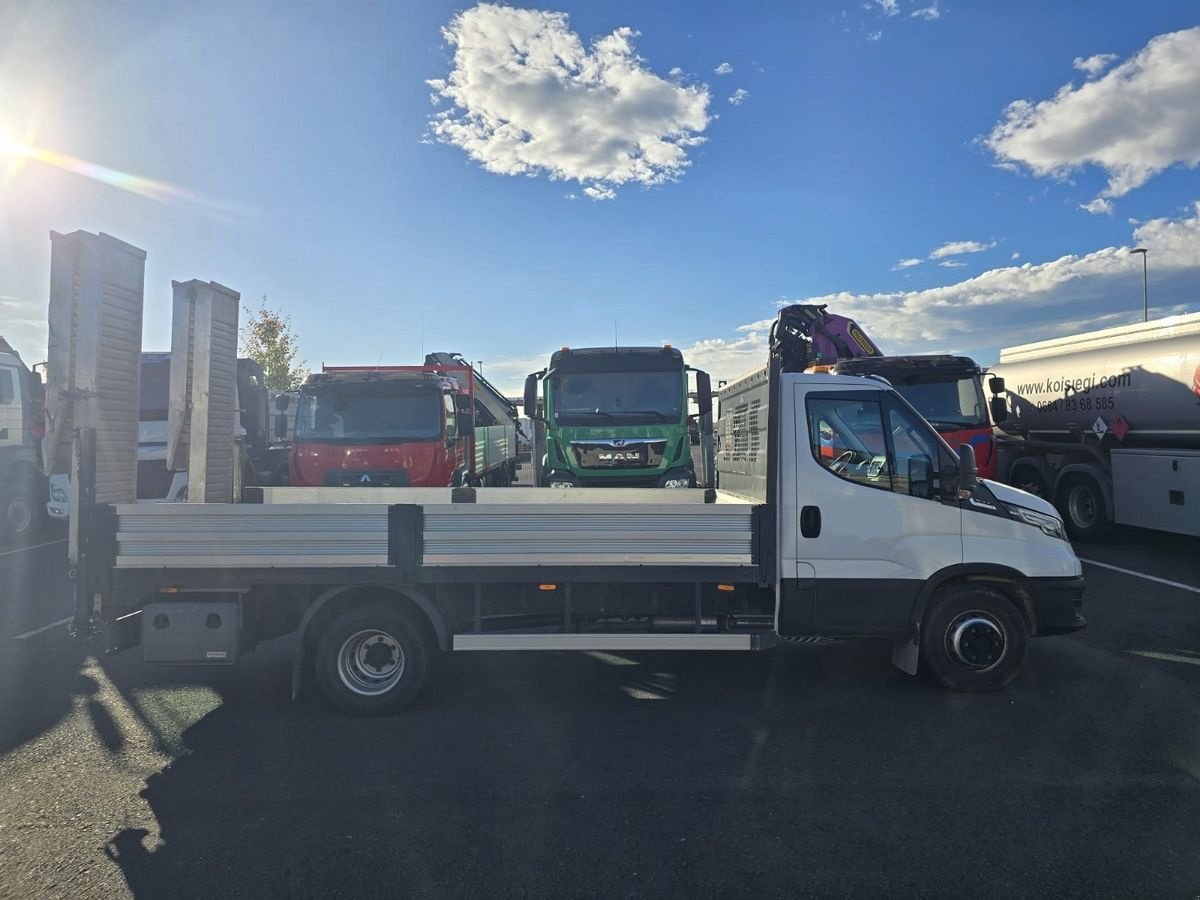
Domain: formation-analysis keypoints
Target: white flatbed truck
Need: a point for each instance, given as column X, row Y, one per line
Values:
column 894, row 538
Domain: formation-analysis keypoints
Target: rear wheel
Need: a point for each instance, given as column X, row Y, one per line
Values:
column 1084, row 511
column 974, row 639
column 372, row 660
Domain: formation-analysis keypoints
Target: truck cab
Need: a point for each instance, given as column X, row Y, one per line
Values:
column 615, row 417
column 378, row 428
column 22, row 424
column 946, row 390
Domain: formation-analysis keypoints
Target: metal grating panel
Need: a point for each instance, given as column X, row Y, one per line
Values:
column 94, row 356
column 204, row 388
column 245, row 536
column 569, row 534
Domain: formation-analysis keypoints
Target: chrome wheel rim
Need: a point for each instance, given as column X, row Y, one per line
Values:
column 370, row 662
column 977, row 641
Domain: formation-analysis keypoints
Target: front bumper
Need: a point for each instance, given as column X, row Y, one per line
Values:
column 1057, row 604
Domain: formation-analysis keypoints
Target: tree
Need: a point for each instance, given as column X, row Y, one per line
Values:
column 267, row 338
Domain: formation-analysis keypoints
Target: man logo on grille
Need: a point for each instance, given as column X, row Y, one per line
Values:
column 366, row 479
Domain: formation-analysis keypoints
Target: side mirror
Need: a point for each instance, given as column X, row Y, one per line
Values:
column 282, row 402
column 464, row 422
column 281, row 424
column 968, row 472
column 996, row 384
column 920, row 476
column 531, row 392
column 462, row 403
column 703, row 393
column 999, row 409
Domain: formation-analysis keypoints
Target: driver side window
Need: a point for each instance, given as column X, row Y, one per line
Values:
column 848, row 439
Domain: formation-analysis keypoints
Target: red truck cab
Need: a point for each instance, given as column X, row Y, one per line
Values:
column 381, row 428
column 946, row 390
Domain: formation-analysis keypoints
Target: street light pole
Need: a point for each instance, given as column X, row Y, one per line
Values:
column 1145, row 284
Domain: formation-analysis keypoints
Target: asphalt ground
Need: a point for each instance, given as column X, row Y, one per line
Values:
column 809, row 770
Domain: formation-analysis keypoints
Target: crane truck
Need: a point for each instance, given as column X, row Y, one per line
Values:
column 895, row 538
column 1106, row 425
column 947, row 390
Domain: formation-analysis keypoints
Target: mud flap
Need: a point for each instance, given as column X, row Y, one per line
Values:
column 906, row 652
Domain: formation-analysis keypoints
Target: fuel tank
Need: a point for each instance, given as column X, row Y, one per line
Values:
column 1138, row 383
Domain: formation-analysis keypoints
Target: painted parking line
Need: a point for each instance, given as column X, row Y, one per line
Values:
column 33, row 547
column 29, row 634
column 1175, row 584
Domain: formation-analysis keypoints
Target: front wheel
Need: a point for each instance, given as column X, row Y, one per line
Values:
column 973, row 639
column 372, row 660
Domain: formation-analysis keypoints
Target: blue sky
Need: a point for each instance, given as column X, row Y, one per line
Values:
column 311, row 169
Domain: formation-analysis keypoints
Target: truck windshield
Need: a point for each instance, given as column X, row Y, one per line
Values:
column 632, row 398
column 368, row 414
column 947, row 405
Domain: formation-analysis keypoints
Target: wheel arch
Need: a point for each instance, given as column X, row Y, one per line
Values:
column 343, row 597
column 1004, row 578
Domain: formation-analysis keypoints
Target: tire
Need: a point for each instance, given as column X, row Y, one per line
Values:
column 973, row 639
column 22, row 511
column 372, row 660
column 1081, row 503
column 1029, row 479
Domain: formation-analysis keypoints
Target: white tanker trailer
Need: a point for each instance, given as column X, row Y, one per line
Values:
column 1106, row 425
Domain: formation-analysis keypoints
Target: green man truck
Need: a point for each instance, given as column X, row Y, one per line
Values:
column 615, row 417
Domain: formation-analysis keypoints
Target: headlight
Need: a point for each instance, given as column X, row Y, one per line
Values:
column 676, row 478
column 561, row 480
column 1051, row 525
column 57, row 494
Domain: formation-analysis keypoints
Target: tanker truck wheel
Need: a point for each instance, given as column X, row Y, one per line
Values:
column 1084, row 511
column 1029, row 479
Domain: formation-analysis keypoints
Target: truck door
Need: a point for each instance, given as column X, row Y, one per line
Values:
column 872, row 518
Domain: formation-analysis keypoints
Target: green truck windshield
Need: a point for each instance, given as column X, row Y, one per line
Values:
column 631, row 398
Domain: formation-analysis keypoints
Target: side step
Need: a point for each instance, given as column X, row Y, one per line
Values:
column 761, row 641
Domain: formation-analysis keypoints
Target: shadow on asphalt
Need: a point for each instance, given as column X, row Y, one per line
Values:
column 809, row 770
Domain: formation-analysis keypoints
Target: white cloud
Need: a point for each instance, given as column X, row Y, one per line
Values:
column 874, row 35
column 528, row 98
column 888, row 7
column 599, row 192
column 928, row 13
column 1004, row 306
column 951, row 264
column 738, row 97
column 1099, row 206
column 675, row 72
column 723, row 69
column 998, row 308
column 1015, row 255
column 23, row 325
column 1134, row 122
column 907, row 263
column 1094, row 65
column 958, row 248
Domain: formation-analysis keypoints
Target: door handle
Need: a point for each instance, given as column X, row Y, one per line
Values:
column 810, row 521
